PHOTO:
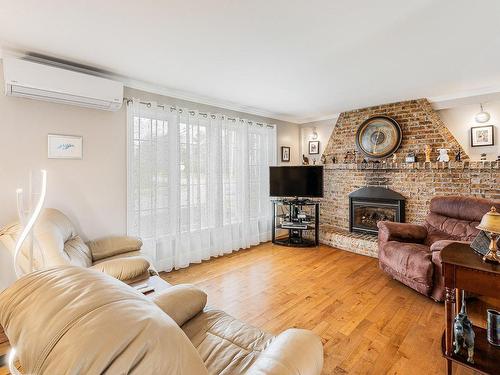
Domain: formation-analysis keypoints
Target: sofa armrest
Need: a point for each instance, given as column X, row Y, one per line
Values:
column 402, row 232
column 441, row 244
column 109, row 246
column 293, row 352
column 128, row 270
column 181, row 302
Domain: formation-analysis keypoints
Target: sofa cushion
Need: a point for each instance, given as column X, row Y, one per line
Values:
column 409, row 263
column 71, row 320
column 181, row 302
column 225, row 344
column 461, row 207
column 447, row 228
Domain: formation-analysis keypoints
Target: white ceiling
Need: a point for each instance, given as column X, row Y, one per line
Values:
column 293, row 60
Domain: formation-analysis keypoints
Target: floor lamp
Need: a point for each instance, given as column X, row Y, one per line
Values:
column 27, row 219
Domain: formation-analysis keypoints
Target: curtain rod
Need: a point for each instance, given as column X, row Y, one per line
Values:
column 148, row 104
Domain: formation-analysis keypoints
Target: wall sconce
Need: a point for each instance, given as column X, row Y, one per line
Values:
column 314, row 134
column 483, row 116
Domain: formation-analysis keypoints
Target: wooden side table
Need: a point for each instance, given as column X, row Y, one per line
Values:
column 463, row 269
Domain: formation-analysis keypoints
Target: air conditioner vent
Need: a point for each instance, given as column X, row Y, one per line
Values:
column 32, row 80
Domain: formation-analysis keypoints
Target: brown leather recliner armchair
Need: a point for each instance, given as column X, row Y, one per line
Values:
column 411, row 253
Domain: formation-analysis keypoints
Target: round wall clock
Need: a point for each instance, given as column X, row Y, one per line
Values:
column 379, row 137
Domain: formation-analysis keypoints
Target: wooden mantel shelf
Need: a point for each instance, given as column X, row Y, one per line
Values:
column 456, row 165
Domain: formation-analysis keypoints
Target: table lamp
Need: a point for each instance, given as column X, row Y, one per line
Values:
column 490, row 223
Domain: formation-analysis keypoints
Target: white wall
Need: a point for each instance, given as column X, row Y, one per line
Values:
column 92, row 191
column 324, row 129
column 460, row 119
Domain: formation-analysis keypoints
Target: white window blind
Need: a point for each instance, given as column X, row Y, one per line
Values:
column 198, row 184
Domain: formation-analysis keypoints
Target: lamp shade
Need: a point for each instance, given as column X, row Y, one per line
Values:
column 482, row 116
column 490, row 222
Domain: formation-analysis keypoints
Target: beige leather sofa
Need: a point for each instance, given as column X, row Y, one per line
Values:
column 72, row 320
column 57, row 243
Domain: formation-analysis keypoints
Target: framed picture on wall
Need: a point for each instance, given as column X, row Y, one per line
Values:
column 285, row 153
column 482, row 136
column 65, row 146
column 313, row 147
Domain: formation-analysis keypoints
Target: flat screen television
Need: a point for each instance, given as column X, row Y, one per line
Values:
column 303, row 181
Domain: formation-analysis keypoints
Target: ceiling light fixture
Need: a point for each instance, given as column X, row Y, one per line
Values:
column 482, row 116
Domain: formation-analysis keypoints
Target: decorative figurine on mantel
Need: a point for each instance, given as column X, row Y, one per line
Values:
column 411, row 158
column 350, row 155
column 305, row 160
column 463, row 332
column 427, row 153
column 334, row 159
column 323, row 159
column 394, row 158
column 443, row 155
column 458, row 156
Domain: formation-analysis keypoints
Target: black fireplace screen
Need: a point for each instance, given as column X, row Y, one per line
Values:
column 370, row 204
column 366, row 216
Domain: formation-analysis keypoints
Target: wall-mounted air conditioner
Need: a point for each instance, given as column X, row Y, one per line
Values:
column 33, row 80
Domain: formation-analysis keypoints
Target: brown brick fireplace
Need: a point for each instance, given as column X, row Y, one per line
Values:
column 417, row 182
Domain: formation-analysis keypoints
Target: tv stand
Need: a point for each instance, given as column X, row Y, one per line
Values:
column 300, row 217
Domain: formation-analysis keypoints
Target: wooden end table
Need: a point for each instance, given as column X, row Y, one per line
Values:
column 463, row 269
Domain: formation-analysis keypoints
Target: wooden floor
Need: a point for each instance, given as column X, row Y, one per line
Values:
column 369, row 323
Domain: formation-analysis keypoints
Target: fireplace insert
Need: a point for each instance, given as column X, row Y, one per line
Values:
column 371, row 204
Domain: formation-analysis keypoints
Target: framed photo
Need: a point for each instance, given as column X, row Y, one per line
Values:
column 65, row 146
column 313, row 147
column 285, row 153
column 482, row 136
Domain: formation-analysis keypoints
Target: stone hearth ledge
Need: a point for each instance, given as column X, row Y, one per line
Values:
column 364, row 244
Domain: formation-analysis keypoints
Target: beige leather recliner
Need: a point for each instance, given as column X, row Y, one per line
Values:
column 72, row 320
column 57, row 243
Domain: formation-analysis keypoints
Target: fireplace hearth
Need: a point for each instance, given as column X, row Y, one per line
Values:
column 371, row 204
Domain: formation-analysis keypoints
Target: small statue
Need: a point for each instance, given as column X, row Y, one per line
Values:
column 334, row 159
column 305, row 160
column 427, row 153
column 314, row 161
column 463, row 332
column 458, row 156
column 483, row 156
column 394, row 158
column 443, row 155
column 346, row 156
column 323, row 159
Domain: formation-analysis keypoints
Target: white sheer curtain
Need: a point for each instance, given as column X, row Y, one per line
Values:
column 198, row 183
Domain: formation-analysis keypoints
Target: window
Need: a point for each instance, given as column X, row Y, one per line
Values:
column 197, row 183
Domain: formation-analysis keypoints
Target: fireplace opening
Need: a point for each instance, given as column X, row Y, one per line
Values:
column 370, row 204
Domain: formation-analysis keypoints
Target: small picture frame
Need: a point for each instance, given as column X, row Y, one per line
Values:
column 64, row 146
column 482, row 136
column 313, row 147
column 285, row 153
